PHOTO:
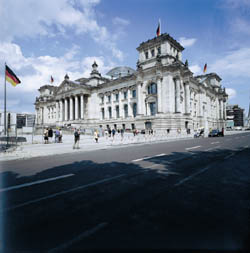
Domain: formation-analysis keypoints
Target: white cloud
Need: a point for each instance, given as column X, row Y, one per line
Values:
column 39, row 69
column 187, row 42
column 120, row 21
column 231, row 93
column 47, row 18
column 236, row 63
column 196, row 69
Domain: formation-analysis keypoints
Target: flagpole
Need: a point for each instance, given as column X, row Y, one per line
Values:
column 5, row 133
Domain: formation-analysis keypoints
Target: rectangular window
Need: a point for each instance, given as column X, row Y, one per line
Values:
column 152, row 52
column 125, row 93
column 102, row 100
column 134, row 109
column 103, row 114
column 134, row 93
column 110, row 112
column 117, row 111
column 117, row 97
column 109, row 98
column 152, row 107
column 125, row 111
column 146, row 55
column 159, row 50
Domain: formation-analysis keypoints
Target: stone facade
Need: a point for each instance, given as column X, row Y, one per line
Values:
column 161, row 94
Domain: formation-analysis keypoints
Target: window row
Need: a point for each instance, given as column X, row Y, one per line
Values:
column 125, row 96
column 117, row 111
column 152, row 52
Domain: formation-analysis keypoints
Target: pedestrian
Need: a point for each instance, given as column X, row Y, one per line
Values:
column 46, row 136
column 50, row 134
column 134, row 132
column 60, row 135
column 57, row 134
column 122, row 133
column 109, row 130
column 106, row 134
column 76, row 139
column 96, row 135
column 113, row 133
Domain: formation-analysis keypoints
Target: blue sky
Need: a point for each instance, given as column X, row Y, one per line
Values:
column 43, row 38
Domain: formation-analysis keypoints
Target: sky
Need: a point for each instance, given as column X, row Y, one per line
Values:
column 40, row 39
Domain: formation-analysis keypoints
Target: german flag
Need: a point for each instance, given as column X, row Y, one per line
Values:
column 11, row 77
column 158, row 30
column 205, row 68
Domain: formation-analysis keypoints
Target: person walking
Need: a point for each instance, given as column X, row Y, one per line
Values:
column 57, row 133
column 96, row 136
column 122, row 133
column 50, row 134
column 77, row 139
column 60, row 135
column 46, row 136
column 113, row 133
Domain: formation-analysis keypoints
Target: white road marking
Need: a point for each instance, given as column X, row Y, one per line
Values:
column 147, row 157
column 137, row 160
column 215, row 142
column 35, row 182
column 212, row 148
column 191, row 176
column 193, row 147
column 61, row 193
column 160, row 155
column 85, row 234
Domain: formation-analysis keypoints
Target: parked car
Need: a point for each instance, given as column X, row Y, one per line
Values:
column 215, row 133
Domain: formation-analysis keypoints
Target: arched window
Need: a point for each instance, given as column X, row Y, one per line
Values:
column 152, row 88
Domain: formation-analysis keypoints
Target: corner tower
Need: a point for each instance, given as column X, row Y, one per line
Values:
column 162, row 49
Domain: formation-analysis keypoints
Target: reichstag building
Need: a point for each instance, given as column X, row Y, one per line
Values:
column 161, row 94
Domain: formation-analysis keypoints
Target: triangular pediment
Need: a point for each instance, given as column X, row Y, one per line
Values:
column 66, row 86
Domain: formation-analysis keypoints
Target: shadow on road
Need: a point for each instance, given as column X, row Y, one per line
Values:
column 197, row 200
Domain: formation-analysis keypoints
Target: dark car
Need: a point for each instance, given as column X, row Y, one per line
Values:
column 215, row 133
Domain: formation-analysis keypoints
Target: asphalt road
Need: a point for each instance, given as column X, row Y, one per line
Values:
column 191, row 194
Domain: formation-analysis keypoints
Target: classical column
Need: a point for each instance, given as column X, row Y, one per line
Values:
column 221, row 109
column 76, row 107
column 139, row 99
column 66, row 109
column 57, row 110
column 225, row 111
column 159, row 95
column 61, row 111
column 129, row 105
column 177, row 95
column 121, row 105
column 200, row 105
column 82, row 106
column 187, row 98
column 71, row 108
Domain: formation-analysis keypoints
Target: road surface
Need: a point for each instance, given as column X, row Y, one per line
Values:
column 190, row 194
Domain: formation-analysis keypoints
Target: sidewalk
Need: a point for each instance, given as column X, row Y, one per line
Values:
column 87, row 143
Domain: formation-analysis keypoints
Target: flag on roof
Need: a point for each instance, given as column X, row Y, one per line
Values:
column 205, row 68
column 11, row 77
column 158, row 31
column 51, row 79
